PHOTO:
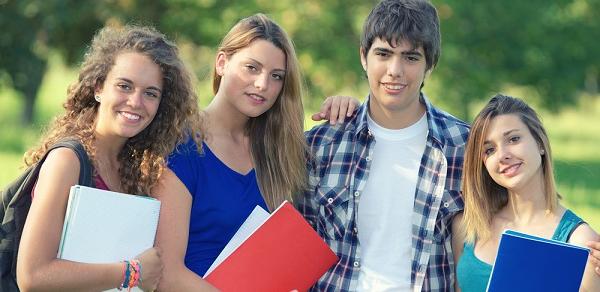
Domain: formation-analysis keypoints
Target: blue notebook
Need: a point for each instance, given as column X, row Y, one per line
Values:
column 529, row 263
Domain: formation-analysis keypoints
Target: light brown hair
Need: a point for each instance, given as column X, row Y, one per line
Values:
column 482, row 195
column 277, row 142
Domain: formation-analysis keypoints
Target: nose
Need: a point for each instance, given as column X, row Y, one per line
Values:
column 395, row 67
column 262, row 82
column 505, row 154
column 134, row 100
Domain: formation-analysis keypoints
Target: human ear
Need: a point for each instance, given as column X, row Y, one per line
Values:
column 428, row 72
column 363, row 58
column 220, row 62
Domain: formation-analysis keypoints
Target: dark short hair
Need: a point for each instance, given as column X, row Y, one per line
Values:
column 415, row 21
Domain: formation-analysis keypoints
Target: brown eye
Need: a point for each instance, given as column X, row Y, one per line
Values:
column 124, row 86
column 277, row 76
column 251, row 68
column 152, row 94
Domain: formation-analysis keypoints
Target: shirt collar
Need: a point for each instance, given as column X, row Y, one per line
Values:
column 434, row 129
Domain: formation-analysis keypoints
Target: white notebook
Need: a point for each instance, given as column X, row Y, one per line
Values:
column 254, row 220
column 106, row 227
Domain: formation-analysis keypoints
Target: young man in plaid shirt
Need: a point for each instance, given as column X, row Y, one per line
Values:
column 384, row 185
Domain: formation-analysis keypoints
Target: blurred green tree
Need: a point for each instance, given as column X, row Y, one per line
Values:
column 548, row 47
column 21, row 65
column 30, row 29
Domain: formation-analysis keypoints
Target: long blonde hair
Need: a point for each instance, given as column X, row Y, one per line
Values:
column 482, row 195
column 143, row 156
column 277, row 142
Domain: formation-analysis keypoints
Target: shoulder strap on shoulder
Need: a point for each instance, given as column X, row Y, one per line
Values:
column 12, row 195
column 85, row 166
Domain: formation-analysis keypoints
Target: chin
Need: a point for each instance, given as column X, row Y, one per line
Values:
column 255, row 114
column 129, row 134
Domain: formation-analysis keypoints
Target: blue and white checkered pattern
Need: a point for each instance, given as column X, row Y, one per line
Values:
column 338, row 171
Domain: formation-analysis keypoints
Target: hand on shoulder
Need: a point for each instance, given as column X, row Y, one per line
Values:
column 336, row 109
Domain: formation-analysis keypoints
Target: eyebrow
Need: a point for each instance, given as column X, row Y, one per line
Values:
column 131, row 82
column 503, row 134
column 412, row 52
column 382, row 50
column 258, row 62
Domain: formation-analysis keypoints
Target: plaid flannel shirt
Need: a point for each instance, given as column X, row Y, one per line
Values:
column 338, row 171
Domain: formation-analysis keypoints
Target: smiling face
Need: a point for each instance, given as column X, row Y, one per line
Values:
column 395, row 76
column 252, row 78
column 129, row 97
column 511, row 155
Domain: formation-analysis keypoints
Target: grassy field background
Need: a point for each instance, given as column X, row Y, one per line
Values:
column 574, row 135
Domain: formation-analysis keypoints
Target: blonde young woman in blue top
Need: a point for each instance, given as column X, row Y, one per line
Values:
column 253, row 152
column 508, row 183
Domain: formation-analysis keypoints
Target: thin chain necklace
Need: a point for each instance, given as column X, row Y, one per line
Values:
column 107, row 178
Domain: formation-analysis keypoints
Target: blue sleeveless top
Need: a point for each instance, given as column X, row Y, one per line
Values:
column 221, row 200
column 473, row 274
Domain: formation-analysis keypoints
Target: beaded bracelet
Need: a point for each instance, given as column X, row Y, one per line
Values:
column 132, row 271
column 135, row 265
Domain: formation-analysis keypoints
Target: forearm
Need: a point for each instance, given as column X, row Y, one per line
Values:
column 61, row 275
column 182, row 279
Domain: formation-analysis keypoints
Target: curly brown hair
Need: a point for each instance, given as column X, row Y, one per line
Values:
column 143, row 157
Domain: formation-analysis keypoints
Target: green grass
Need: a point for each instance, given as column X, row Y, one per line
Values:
column 573, row 135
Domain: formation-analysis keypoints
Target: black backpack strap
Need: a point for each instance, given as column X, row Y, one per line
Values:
column 85, row 166
column 25, row 183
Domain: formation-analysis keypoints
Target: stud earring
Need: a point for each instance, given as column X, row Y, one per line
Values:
column 542, row 152
column 97, row 98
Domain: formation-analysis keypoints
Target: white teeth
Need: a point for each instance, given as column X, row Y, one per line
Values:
column 256, row 97
column 130, row 116
column 394, row 87
column 510, row 169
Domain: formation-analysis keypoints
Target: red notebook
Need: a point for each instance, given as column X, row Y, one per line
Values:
column 283, row 254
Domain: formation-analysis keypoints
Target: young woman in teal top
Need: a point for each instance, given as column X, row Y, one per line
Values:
column 508, row 183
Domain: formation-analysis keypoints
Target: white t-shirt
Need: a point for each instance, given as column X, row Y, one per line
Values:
column 386, row 206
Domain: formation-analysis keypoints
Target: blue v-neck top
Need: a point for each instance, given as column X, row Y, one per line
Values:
column 221, row 200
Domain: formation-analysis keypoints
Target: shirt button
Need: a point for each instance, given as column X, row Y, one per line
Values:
column 356, row 264
column 446, row 204
column 330, row 200
column 356, row 194
column 422, row 268
column 355, row 230
column 368, row 158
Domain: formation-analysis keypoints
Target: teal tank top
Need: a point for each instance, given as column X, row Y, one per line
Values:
column 473, row 274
